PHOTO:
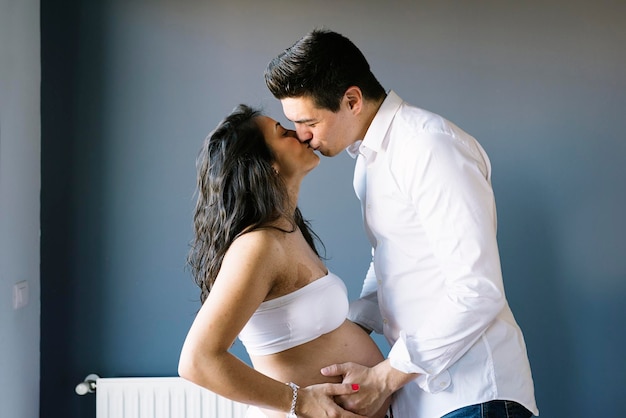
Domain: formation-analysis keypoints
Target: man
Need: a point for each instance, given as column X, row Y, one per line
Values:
column 434, row 287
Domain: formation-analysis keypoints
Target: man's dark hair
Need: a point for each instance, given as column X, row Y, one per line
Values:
column 322, row 65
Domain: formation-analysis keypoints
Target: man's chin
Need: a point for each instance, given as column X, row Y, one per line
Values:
column 327, row 153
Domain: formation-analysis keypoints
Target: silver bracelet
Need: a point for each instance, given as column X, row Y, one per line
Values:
column 292, row 411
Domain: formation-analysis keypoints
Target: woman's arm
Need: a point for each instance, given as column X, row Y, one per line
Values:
column 247, row 275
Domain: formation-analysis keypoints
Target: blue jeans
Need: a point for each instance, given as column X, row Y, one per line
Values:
column 492, row 409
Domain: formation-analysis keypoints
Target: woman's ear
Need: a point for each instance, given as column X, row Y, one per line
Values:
column 354, row 99
column 275, row 168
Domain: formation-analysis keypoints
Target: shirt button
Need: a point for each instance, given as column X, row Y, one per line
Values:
column 385, row 321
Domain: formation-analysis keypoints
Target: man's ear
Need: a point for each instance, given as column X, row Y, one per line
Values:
column 354, row 99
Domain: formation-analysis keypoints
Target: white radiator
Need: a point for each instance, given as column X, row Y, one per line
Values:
column 158, row 397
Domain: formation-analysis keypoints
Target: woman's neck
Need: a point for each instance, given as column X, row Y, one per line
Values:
column 293, row 191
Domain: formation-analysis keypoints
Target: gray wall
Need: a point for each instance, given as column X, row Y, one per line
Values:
column 19, row 206
column 131, row 89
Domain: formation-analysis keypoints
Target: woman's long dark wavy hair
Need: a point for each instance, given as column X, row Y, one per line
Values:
column 238, row 192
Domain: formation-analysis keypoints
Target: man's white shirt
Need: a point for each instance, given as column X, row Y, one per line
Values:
column 434, row 287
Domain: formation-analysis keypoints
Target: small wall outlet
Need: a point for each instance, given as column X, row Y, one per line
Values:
column 20, row 294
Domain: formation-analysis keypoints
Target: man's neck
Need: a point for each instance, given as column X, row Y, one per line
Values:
column 370, row 109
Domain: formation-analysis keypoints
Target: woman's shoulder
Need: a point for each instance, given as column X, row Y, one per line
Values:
column 253, row 258
column 261, row 236
column 263, row 243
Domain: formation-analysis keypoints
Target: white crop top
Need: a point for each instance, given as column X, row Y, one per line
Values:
column 297, row 317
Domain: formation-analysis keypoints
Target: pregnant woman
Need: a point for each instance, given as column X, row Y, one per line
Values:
column 262, row 280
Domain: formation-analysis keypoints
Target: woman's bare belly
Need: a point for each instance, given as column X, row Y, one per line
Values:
column 302, row 364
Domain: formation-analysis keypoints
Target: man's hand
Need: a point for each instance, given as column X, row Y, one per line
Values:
column 373, row 391
column 317, row 401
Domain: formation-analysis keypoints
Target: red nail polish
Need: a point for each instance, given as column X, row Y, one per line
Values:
column 355, row 386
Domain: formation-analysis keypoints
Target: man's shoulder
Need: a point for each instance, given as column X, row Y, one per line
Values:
column 420, row 120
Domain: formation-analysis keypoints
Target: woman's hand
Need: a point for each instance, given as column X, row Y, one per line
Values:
column 372, row 394
column 317, row 401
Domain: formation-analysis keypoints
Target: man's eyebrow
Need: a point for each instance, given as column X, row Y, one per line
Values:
column 303, row 120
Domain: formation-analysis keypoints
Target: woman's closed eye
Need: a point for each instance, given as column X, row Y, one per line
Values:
column 289, row 133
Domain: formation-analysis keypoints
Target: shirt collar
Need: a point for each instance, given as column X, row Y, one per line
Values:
column 353, row 149
column 378, row 128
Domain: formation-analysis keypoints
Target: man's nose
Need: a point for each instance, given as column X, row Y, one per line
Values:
column 304, row 135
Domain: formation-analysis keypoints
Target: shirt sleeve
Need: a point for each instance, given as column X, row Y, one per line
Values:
column 365, row 311
column 449, row 185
